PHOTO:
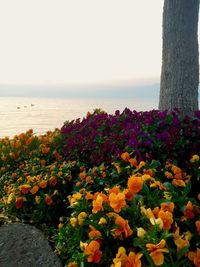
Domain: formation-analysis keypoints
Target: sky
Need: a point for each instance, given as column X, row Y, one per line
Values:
column 76, row 42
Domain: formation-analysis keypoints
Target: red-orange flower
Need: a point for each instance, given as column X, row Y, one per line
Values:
column 128, row 195
column 43, row 162
column 197, row 223
column 94, row 233
column 195, row 257
column 14, row 175
column 45, row 150
column 53, row 181
column 48, row 200
column 117, row 201
column 176, row 170
column 57, row 155
column 92, row 251
column 135, row 184
column 19, row 202
column 29, row 140
column 43, row 184
column 133, row 162
column 25, row 188
column 123, row 228
column 34, row 189
column 189, row 213
column 82, row 175
column 156, row 251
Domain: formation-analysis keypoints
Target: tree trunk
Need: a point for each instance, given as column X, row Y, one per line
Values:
column 180, row 56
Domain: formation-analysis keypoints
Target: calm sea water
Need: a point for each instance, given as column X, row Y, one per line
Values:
column 19, row 114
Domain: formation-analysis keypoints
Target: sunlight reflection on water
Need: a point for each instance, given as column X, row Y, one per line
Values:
column 19, row 114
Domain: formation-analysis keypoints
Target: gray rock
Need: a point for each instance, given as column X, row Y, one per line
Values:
column 23, row 245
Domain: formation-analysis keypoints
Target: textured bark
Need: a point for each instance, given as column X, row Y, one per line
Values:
column 180, row 56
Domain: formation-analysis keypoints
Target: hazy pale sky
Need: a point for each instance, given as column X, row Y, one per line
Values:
column 79, row 41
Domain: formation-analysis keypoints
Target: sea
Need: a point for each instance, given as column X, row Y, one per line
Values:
column 18, row 114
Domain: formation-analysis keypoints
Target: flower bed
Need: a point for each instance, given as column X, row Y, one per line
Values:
column 124, row 191
column 148, row 135
column 132, row 214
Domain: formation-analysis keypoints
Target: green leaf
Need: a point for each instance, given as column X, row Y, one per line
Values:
column 187, row 189
column 154, row 164
column 182, row 252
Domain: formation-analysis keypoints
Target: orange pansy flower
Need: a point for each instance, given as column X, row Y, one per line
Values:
column 88, row 179
column 156, row 252
column 24, row 188
column 81, row 217
column 88, row 196
column 128, row 195
column 122, row 260
column 92, row 251
column 105, row 198
column 168, row 175
column 14, row 175
column 177, row 182
column 57, row 155
column 34, row 189
column 125, row 156
column 94, row 233
column 43, row 184
column 141, row 164
column 158, row 184
column 176, row 170
column 197, row 223
column 178, row 176
column 135, row 184
column 149, row 172
column 195, row 257
column 115, row 189
column 133, row 259
column 133, row 162
column 123, row 228
column 167, row 219
column 53, row 181
column 19, row 202
column 82, row 175
column 181, row 243
column 167, row 206
column 97, row 204
column 117, row 201
column 43, row 162
column 45, row 150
